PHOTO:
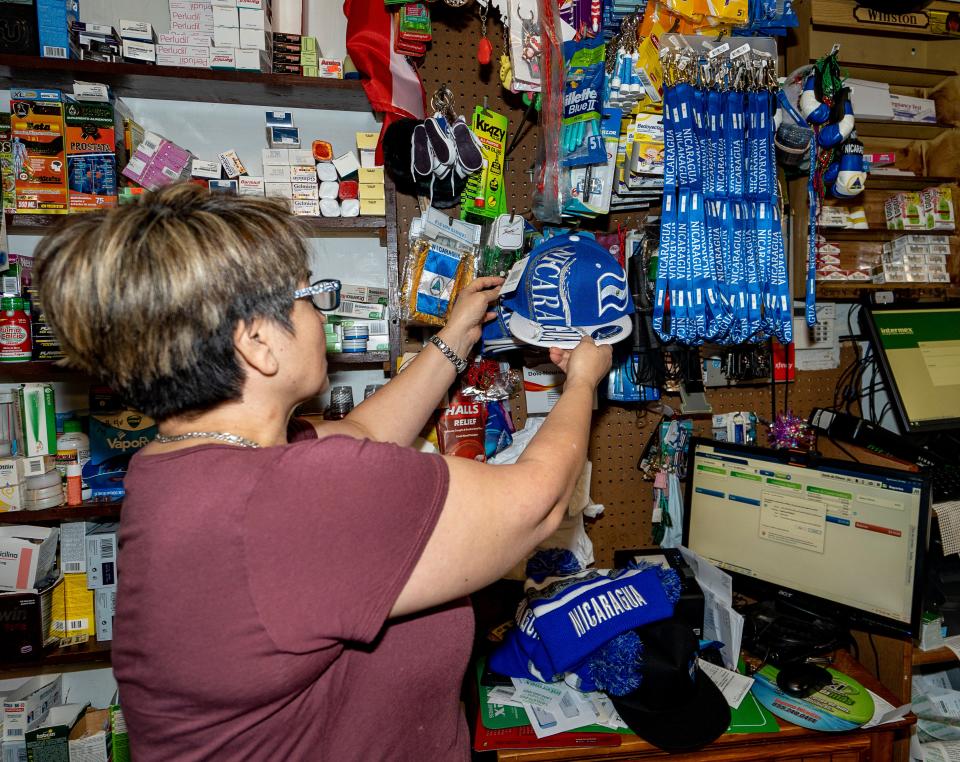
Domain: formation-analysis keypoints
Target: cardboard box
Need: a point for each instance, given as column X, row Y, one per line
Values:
column 908, row 109
column 371, row 175
column 227, row 18
column 373, row 207
column 542, row 386
column 365, row 294
column 28, row 555
column 11, row 498
column 90, row 737
column 255, row 39
column 232, row 166
column 277, row 190
column 72, row 613
column 250, row 186
column 36, row 413
column 372, row 192
column 251, row 59
column 190, row 56
column 25, row 622
column 115, row 434
column 359, row 310
column 283, row 137
column 8, row 179
column 137, row 30
column 306, row 207
column 184, row 38
column 276, row 173
column 228, row 187
column 39, row 151
column 346, row 165
column 48, row 742
column 303, row 174
column 208, row 170
column 120, row 739
column 276, row 157
column 105, row 607
column 92, row 182
column 101, row 554
column 870, row 99
column 223, row 58
column 302, row 157
column 226, row 37
column 54, row 18
column 251, row 18
column 28, row 706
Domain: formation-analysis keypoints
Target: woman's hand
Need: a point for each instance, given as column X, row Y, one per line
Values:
column 469, row 313
column 587, row 363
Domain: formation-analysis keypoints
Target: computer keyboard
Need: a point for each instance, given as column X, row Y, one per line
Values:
column 945, row 483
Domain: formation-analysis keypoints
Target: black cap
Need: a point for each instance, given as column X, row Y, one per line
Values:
column 677, row 707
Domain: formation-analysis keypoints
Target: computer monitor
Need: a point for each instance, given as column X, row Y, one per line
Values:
column 918, row 349
column 840, row 539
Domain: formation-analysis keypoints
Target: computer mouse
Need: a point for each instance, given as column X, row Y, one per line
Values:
column 800, row 679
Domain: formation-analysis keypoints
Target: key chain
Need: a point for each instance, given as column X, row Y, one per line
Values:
column 484, row 47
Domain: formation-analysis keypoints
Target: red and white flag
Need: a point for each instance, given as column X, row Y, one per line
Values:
column 392, row 85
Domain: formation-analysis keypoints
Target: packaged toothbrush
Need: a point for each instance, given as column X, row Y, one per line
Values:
column 581, row 142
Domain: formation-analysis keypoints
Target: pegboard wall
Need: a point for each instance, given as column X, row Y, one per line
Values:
column 619, row 433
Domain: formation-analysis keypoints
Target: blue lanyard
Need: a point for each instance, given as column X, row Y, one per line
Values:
column 811, row 299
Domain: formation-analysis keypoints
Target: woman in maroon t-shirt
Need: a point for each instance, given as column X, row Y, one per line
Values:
column 288, row 599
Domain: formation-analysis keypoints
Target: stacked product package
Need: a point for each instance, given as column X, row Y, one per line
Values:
column 914, row 259
column 359, row 324
column 929, row 209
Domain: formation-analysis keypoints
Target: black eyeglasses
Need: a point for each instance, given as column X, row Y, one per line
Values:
column 325, row 294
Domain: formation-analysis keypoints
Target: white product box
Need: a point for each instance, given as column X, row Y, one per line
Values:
column 190, row 56
column 208, row 170
column 104, row 608
column 226, row 37
column 251, row 59
column 301, row 190
column 250, row 186
column 251, row 18
column 358, row 310
column 11, row 498
column 870, row 99
column 26, row 707
column 276, row 173
column 306, row 207
column 302, row 174
column 136, row 30
column 73, row 548
column 542, row 386
column 302, row 157
column 259, row 5
column 275, row 157
column 225, row 17
column 224, row 3
column 184, row 38
column 28, row 554
column 135, row 50
column 366, row 294
column 347, row 164
column 101, row 549
column 191, row 23
column 255, row 39
column 15, row 470
column 908, row 109
column 277, row 190
column 232, row 165
column 378, row 342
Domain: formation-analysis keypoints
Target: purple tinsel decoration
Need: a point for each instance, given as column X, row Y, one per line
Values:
column 553, row 562
column 788, row 432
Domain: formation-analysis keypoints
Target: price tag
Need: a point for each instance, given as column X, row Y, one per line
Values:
column 508, row 233
column 718, row 51
column 741, row 51
column 513, row 277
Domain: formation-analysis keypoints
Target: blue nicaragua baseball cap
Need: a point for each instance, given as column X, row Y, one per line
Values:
column 568, row 287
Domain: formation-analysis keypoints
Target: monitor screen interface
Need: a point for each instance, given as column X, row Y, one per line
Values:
column 838, row 533
column 919, row 351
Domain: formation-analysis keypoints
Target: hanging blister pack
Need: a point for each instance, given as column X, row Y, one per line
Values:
column 581, row 142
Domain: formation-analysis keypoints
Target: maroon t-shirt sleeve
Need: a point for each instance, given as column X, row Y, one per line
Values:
column 347, row 521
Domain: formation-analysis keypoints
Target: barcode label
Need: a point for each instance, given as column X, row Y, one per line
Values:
column 35, row 467
column 50, row 51
column 106, row 549
column 77, row 624
column 170, row 173
column 71, row 567
column 10, row 285
column 14, row 732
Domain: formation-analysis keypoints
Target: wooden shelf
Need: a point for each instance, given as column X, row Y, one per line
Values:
column 38, row 224
column 185, row 84
column 851, row 18
column 89, row 655
column 28, row 372
column 884, row 128
column 875, row 234
column 942, row 655
column 840, row 291
column 64, row 513
column 899, row 76
column 880, row 182
column 358, row 358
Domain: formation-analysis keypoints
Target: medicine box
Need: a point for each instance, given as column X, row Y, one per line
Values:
column 49, row 740
column 373, row 207
column 114, row 438
column 226, row 37
column 137, row 30
column 251, row 18
column 90, row 738
column 223, row 57
column 276, row 157
column 251, row 59
column 542, row 386
column 104, row 608
column 26, row 707
column 28, row 555
column 135, row 51
column 14, row 470
column 25, row 622
column 36, row 413
column 346, row 164
column 909, row 109
column 250, row 186
column 225, row 18
column 7, row 176
column 39, row 155
column 360, row 310
column 277, row 190
column 365, row 294
column 101, row 556
column 54, row 18
column 283, row 137
column 72, row 615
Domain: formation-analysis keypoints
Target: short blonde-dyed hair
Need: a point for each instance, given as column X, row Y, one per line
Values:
column 146, row 297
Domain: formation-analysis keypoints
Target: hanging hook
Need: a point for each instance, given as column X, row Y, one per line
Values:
column 513, row 214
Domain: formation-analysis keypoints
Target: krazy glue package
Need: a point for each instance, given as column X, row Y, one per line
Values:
column 39, row 152
column 116, row 433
